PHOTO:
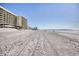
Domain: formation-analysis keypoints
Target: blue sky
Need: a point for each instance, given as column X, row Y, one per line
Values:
column 47, row 16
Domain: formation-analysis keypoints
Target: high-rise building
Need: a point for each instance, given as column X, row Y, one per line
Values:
column 10, row 20
column 21, row 22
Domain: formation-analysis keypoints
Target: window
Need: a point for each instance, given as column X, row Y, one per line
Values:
column 0, row 14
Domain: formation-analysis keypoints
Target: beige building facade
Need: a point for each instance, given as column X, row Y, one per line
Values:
column 10, row 20
column 7, row 19
column 21, row 22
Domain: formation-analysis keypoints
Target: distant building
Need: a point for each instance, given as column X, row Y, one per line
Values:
column 21, row 22
column 29, row 27
column 35, row 28
column 10, row 20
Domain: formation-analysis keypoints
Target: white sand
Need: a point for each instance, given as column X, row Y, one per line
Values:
column 7, row 29
column 36, row 43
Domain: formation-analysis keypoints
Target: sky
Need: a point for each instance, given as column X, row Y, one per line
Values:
column 47, row 16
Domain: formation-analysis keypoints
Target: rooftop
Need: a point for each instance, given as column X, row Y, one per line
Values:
column 7, row 10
